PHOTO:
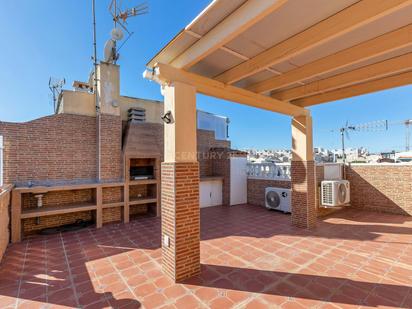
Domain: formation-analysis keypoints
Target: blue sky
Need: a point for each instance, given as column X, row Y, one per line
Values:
column 53, row 38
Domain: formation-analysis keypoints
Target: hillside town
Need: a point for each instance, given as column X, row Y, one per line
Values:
column 324, row 155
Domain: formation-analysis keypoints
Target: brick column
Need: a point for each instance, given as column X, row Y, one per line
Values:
column 180, row 219
column 303, row 173
column 180, row 185
column 111, row 163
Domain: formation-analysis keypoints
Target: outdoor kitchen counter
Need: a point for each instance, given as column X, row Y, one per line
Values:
column 210, row 191
column 210, row 178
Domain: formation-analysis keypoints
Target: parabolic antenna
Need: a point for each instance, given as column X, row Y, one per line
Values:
column 109, row 51
column 117, row 34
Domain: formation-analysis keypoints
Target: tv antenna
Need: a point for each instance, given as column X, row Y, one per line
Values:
column 120, row 17
column 375, row 126
column 55, row 86
column 407, row 124
column 378, row 125
column 344, row 131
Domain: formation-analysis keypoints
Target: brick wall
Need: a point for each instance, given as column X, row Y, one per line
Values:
column 112, row 195
column 63, row 149
column 181, row 219
column 147, row 139
column 31, row 225
column 112, row 215
column 111, row 165
column 53, row 148
column 56, row 198
column 205, row 142
column 304, row 210
column 256, row 189
column 383, row 188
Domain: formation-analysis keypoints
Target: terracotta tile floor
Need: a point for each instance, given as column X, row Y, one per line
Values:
column 251, row 258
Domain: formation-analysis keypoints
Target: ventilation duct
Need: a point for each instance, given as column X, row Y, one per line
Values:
column 136, row 115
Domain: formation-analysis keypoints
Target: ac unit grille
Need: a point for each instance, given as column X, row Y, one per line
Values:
column 335, row 193
column 342, row 193
column 273, row 199
column 327, row 194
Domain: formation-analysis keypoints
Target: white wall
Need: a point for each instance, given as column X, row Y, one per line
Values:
column 238, row 180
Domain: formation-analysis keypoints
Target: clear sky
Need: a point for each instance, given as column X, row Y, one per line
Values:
column 46, row 38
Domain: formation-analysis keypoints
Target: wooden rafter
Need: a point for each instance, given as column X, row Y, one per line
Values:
column 247, row 15
column 398, row 80
column 383, row 44
column 357, row 15
column 377, row 70
column 167, row 74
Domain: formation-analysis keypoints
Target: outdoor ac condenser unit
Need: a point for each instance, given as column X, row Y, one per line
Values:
column 335, row 193
column 278, row 199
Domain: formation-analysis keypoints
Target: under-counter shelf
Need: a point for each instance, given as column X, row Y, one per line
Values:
column 112, row 205
column 143, row 191
column 149, row 188
column 143, row 182
column 18, row 213
column 56, row 210
column 140, row 201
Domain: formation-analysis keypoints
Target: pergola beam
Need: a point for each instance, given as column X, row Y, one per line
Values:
column 398, row 80
column 383, row 44
column 374, row 71
column 167, row 74
column 357, row 15
column 244, row 17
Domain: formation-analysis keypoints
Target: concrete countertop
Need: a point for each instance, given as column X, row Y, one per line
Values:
column 211, row 178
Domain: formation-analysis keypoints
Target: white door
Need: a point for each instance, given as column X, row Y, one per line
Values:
column 216, row 190
column 210, row 193
column 238, row 181
column 204, row 194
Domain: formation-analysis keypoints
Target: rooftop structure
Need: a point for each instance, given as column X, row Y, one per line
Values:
column 106, row 160
column 315, row 52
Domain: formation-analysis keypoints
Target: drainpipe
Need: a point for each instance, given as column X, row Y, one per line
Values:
column 96, row 92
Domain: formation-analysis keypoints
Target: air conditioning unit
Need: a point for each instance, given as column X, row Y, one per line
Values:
column 335, row 193
column 278, row 199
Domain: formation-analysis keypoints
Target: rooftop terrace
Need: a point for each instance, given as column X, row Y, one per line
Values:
column 251, row 258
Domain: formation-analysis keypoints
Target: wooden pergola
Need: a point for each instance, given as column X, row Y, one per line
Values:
column 277, row 55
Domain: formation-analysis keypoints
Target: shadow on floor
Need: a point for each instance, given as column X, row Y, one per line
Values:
column 309, row 287
column 63, row 269
column 66, row 269
column 256, row 221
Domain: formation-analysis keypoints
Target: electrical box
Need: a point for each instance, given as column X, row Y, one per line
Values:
column 333, row 171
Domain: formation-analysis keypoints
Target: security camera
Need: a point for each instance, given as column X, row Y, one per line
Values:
column 167, row 117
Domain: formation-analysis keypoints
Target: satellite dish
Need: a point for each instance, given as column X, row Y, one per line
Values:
column 109, row 51
column 117, row 34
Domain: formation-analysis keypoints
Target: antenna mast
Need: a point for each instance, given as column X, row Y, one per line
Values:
column 408, row 124
column 120, row 18
column 96, row 98
column 55, row 86
column 344, row 130
column 96, row 92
